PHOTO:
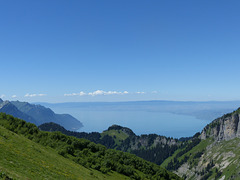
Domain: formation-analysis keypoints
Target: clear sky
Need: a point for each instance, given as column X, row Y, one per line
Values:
column 119, row 50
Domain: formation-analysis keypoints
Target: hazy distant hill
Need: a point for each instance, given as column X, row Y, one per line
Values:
column 38, row 114
column 9, row 108
column 43, row 115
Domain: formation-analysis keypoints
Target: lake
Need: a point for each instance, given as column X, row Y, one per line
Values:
column 141, row 122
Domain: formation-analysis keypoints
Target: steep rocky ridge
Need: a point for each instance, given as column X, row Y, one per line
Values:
column 226, row 127
column 216, row 156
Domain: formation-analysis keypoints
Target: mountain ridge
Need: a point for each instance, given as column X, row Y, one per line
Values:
column 9, row 108
column 43, row 114
column 217, row 154
column 38, row 114
column 151, row 147
column 226, row 127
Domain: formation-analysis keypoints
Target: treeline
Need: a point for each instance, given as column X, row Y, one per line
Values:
column 95, row 137
column 154, row 153
column 87, row 153
column 176, row 163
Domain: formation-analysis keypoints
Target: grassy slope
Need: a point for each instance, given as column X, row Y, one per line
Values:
column 117, row 135
column 225, row 156
column 23, row 159
column 43, row 156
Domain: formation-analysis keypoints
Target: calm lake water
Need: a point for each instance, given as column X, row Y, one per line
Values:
column 141, row 122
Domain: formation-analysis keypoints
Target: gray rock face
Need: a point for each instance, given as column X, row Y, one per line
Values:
column 224, row 128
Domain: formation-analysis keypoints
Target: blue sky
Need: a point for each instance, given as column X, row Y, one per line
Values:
column 59, row 51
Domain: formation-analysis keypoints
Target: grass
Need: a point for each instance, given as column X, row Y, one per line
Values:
column 225, row 147
column 198, row 148
column 117, row 135
column 21, row 158
column 225, row 156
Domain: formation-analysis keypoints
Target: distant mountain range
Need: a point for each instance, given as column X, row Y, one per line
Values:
column 38, row 114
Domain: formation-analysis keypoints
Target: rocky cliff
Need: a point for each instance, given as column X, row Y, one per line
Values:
column 216, row 156
column 226, row 127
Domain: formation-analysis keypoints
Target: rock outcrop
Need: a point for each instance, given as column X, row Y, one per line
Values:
column 226, row 127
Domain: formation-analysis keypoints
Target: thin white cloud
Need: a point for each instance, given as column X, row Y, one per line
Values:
column 34, row 95
column 154, row 92
column 140, row 92
column 14, row 96
column 97, row 93
column 76, row 94
column 101, row 92
column 2, row 96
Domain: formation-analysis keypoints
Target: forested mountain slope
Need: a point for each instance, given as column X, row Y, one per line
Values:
column 151, row 147
column 107, row 162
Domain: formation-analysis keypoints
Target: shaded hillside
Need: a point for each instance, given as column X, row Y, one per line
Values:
column 9, row 108
column 217, row 156
column 86, row 153
column 150, row 147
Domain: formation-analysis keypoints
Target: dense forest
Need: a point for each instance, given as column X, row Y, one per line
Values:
column 150, row 147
